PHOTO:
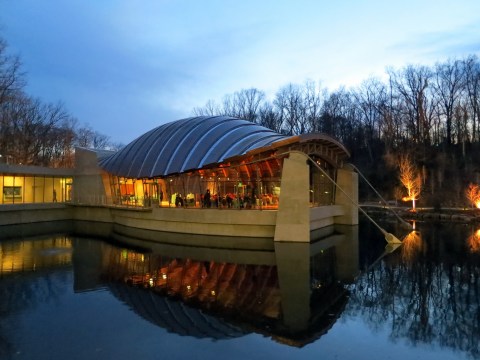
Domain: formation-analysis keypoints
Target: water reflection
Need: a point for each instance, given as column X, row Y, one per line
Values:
column 474, row 241
column 427, row 291
column 411, row 246
column 17, row 256
column 430, row 294
column 31, row 273
column 293, row 294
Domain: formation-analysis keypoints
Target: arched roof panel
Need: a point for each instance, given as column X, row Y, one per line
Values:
column 253, row 141
column 172, row 143
column 209, row 130
column 200, row 149
column 156, row 148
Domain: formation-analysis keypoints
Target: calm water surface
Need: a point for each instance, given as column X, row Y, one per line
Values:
column 346, row 296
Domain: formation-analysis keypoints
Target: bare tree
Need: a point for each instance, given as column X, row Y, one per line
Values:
column 11, row 77
column 411, row 179
column 210, row 109
column 472, row 81
column 247, row 103
column 411, row 85
column 313, row 98
column 84, row 136
column 269, row 118
column 289, row 103
column 448, row 84
column 473, row 195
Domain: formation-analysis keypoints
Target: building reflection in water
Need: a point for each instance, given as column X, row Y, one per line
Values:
column 293, row 294
column 18, row 256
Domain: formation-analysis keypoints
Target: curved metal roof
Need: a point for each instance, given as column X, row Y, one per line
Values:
column 196, row 142
column 188, row 144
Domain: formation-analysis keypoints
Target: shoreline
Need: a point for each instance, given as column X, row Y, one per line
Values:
column 458, row 215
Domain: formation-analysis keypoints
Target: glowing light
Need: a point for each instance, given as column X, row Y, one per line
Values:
column 411, row 179
column 212, row 292
column 473, row 195
column 164, row 276
column 412, row 245
column 474, row 242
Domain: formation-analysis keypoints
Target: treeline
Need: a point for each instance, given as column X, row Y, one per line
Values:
column 430, row 114
column 33, row 132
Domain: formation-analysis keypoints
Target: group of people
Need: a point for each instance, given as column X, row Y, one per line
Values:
column 229, row 200
column 209, row 200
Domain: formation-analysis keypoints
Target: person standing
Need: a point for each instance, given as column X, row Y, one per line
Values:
column 206, row 199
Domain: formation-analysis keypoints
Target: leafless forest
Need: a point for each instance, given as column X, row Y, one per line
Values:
column 429, row 114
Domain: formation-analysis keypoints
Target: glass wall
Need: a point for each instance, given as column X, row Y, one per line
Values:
column 23, row 189
column 254, row 185
column 322, row 189
column 250, row 186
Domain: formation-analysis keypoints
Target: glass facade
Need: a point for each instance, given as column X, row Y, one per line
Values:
column 322, row 189
column 23, row 189
column 251, row 186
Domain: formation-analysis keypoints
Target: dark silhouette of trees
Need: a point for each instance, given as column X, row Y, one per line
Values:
column 33, row 132
column 431, row 113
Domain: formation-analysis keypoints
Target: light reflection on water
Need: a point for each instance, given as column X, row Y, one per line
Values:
column 345, row 296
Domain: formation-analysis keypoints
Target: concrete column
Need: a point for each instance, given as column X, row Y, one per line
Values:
column 347, row 254
column 347, row 180
column 88, row 186
column 293, row 216
column 293, row 268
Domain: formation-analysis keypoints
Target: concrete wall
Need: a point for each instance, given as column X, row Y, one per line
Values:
column 34, row 213
column 346, row 195
column 88, row 187
column 247, row 223
column 34, row 219
column 293, row 218
column 296, row 220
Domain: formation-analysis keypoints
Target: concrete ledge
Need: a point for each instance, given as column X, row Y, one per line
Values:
column 16, row 231
column 209, row 241
column 324, row 216
column 34, row 213
column 247, row 223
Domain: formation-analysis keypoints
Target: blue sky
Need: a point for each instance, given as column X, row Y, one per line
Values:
column 124, row 67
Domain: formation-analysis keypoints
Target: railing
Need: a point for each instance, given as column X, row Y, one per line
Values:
column 141, row 202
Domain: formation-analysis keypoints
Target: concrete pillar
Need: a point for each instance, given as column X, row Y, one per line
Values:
column 293, row 216
column 88, row 186
column 293, row 268
column 347, row 180
column 347, row 253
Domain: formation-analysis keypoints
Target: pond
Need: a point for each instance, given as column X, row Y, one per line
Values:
column 342, row 297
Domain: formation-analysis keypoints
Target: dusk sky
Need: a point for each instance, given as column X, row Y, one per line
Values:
column 125, row 67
